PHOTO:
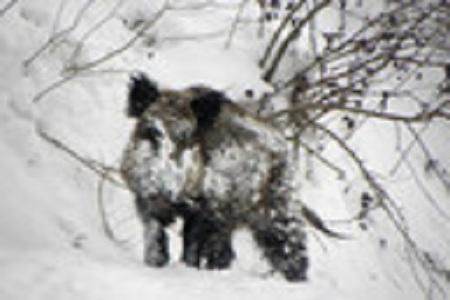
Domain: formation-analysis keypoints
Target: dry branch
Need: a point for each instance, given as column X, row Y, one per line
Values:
column 57, row 37
column 235, row 23
column 328, row 163
column 101, row 207
column 7, row 7
column 389, row 206
column 66, row 79
column 268, row 75
column 432, row 162
column 277, row 34
column 98, row 168
column 119, row 50
column 94, row 28
column 424, row 116
column 349, row 45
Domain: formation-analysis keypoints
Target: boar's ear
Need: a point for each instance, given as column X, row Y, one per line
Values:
column 142, row 92
column 206, row 106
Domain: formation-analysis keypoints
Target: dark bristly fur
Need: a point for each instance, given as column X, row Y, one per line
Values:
column 206, row 120
column 141, row 93
column 207, row 107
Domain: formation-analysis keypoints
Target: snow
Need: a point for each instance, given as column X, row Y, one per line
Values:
column 52, row 243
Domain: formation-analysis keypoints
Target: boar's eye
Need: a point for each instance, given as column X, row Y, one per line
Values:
column 151, row 134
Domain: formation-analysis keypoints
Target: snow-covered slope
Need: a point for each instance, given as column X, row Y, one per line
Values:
column 52, row 239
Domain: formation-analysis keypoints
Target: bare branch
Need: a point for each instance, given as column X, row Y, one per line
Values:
column 277, row 34
column 312, row 30
column 268, row 75
column 142, row 30
column 57, row 37
column 59, row 83
column 7, row 7
column 98, row 168
column 55, row 24
column 405, row 152
column 94, row 28
column 103, row 216
column 194, row 37
column 350, row 44
column 388, row 205
column 52, row 87
column 424, row 116
column 339, row 171
column 235, row 23
column 431, row 163
column 425, row 191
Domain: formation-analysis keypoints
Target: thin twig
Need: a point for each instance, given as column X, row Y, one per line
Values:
column 101, row 207
column 388, row 205
column 94, row 28
column 143, row 29
column 7, row 7
column 419, row 117
column 268, row 75
column 429, row 157
column 277, row 34
column 52, row 87
column 60, row 35
column 425, row 191
column 66, row 79
column 55, row 24
column 339, row 171
column 405, row 152
column 98, row 168
column 312, row 30
column 351, row 42
column 235, row 23
column 194, row 37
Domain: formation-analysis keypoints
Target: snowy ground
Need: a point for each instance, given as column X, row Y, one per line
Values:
column 52, row 243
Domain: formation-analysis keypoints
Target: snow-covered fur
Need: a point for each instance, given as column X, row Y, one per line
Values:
column 197, row 155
